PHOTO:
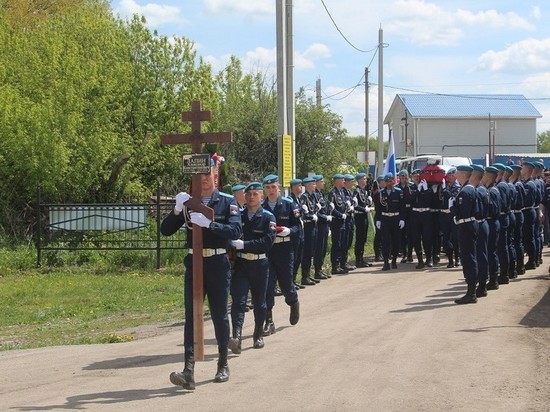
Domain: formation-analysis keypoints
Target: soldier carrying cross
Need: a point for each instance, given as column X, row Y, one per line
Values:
column 212, row 220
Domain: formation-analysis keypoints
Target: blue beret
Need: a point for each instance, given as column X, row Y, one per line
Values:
column 538, row 165
column 348, row 177
column 253, row 186
column 308, row 180
column 499, row 166
column 295, row 181
column 338, row 176
column 464, row 168
column 403, row 172
column 515, row 167
column 318, row 177
column 451, row 171
column 478, row 168
column 388, row 176
column 415, row 172
column 529, row 164
column 379, row 178
column 491, row 169
column 270, row 179
column 508, row 169
column 238, row 187
column 360, row 175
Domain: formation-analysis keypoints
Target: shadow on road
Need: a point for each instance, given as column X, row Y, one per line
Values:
column 135, row 362
column 539, row 315
column 86, row 401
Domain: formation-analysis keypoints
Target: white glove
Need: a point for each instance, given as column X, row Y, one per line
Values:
column 401, row 224
column 238, row 244
column 315, row 218
column 355, row 201
column 378, row 224
column 181, row 198
column 304, row 207
column 331, row 204
column 199, row 219
column 443, row 184
column 284, row 233
column 434, row 188
column 319, row 206
column 369, row 200
column 329, row 218
column 451, row 202
column 367, row 209
column 423, row 184
column 351, row 209
column 348, row 203
column 344, row 216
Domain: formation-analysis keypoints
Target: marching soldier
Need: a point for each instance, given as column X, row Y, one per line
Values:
column 308, row 203
column 337, row 226
column 389, row 219
column 408, row 189
column 447, row 224
column 238, row 194
column 377, row 244
column 465, row 211
column 529, row 214
column 362, row 209
column 281, row 255
column 537, row 177
column 298, row 241
column 504, row 254
column 349, row 224
column 493, row 216
column 517, row 208
column 421, row 220
column 483, row 229
column 251, row 271
column 512, row 272
column 323, row 222
column 217, row 273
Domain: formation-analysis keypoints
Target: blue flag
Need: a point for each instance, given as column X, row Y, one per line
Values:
column 389, row 166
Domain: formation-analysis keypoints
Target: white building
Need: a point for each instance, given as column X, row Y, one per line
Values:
column 462, row 125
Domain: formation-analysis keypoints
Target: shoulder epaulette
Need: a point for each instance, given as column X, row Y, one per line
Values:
column 226, row 195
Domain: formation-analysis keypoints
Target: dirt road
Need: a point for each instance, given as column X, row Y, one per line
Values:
column 366, row 341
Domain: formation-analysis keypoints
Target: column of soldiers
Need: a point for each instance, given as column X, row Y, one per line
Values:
column 484, row 219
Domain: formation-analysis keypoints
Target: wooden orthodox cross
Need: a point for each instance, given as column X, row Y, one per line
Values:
column 196, row 138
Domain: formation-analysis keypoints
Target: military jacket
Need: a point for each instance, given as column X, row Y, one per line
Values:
column 494, row 202
column 336, row 198
column 324, row 207
column 308, row 205
column 362, row 197
column 287, row 213
column 227, row 226
column 391, row 202
column 482, row 202
column 465, row 205
column 259, row 231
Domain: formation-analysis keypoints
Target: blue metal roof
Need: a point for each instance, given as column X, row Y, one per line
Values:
column 469, row 105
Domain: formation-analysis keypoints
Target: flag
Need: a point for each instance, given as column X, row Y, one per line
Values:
column 389, row 166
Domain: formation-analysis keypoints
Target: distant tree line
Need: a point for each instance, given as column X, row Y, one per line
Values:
column 84, row 97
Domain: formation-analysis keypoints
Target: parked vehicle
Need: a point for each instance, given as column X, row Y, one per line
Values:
column 422, row 160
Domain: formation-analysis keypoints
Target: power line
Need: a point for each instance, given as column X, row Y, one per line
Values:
column 351, row 89
column 342, row 34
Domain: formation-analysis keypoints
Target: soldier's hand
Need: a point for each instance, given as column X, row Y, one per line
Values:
column 285, row 231
column 367, row 209
column 378, row 224
column 329, row 218
column 331, row 205
column 181, row 198
column 401, row 224
column 443, row 184
column 369, row 200
column 451, row 202
column 315, row 218
column 238, row 244
column 348, row 203
column 344, row 216
column 355, row 201
column 199, row 219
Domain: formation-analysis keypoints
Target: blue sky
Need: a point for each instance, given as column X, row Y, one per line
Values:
column 449, row 46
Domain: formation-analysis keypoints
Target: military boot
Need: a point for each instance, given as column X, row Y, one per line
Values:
column 319, row 275
column 481, row 290
column 451, row 263
column 222, row 374
column 257, row 337
column 359, row 262
column 394, row 263
column 469, row 297
column 512, row 272
column 386, row 265
column 294, row 313
column 235, row 341
column 306, row 280
column 186, row 379
column 503, row 278
column 493, row 283
column 269, row 327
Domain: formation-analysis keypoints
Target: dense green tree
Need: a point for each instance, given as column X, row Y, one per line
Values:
column 543, row 142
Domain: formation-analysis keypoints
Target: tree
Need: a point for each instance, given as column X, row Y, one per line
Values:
column 543, row 142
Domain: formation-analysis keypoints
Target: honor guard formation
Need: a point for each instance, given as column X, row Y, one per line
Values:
column 487, row 220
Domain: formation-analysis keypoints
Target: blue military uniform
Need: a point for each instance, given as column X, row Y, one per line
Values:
column 493, row 216
column 281, row 255
column 482, row 234
column 298, row 241
column 422, row 222
column 362, row 210
column 377, row 243
column 308, row 204
column 324, row 218
column 446, row 222
column 465, row 209
column 504, row 252
column 390, row 217
column 349, row 224
column 529, row 216
column 407, row 234
column 517, row 209
column 251, row 271
column 337, row 228
column 538, row 227
column 216, row 268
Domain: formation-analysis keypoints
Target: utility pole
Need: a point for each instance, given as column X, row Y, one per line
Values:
column 290, row 81
column 318, row 91
column 380, row 160
column 367, row 115
column 282, row 120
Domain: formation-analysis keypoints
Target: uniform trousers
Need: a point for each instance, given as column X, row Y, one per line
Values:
column 249, row 275
column 321, row 248
column 467, row 238
column 482, row 251
column 281, row 262
column 492, row 246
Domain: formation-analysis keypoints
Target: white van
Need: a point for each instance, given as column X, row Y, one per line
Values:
column 420, row 161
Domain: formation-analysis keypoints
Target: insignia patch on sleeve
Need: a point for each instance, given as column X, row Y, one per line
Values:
column 273, row 226
column 297, row 212
column 233, row 209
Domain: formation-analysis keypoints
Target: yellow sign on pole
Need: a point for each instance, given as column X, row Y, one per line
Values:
column 287, row 160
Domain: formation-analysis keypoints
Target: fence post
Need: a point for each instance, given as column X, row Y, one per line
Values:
column 39, row 227
column 158, row 225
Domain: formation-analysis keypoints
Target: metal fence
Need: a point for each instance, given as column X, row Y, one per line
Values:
column 108, row 226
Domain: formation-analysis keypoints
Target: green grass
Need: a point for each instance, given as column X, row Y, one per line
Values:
column 77, row 305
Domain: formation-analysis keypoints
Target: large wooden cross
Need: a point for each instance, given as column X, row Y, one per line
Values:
column 197, row 138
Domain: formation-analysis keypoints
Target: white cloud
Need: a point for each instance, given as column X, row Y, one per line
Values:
column 424, row 23
column 530, row 55
column 155, row 14
column 245, row 7
column 536, row 13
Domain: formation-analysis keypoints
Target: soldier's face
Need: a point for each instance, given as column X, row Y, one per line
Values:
column 451, row 179
column 253, row 198
column 310, row 187
column 339, row 183
column 348, row 184
column 404, row 180
column 207, row 182
column 415, row 178
column 272, row 190
column 321, row 184
column 297, row 189
column 239, row 196
column 362, row 182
